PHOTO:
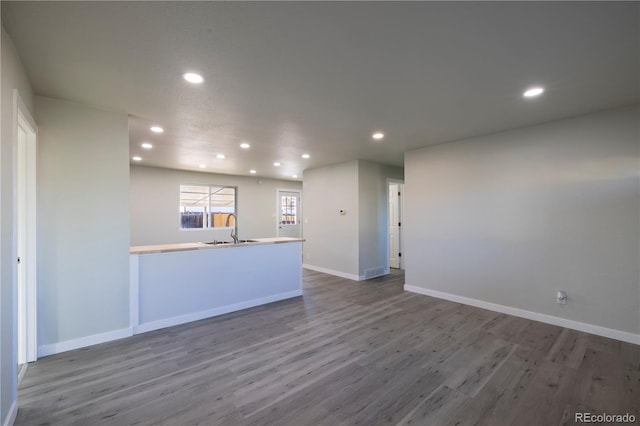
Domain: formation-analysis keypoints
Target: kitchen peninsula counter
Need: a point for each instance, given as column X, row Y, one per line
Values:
column 173, row 284
column 167, row 248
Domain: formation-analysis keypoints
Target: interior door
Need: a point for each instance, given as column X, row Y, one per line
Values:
column 25, row 163
column 21, row 207
column 289, row 214
column 394, row 228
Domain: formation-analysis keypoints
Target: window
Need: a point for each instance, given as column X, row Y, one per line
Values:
column 206, row 206
column 288, row 210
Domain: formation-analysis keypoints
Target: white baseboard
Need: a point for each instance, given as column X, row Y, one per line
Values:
column 333, row 272
column 95, row 339
column 196, row 316
column 11, row 415
column 549, row 319
column 82, row 342
column 22, row 370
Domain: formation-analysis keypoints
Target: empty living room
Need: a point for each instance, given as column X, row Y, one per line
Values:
column 300, row 213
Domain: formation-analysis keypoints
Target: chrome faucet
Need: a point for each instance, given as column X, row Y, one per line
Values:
column 234, row 231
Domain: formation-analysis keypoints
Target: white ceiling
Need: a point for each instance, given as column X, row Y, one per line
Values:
column 320, row 77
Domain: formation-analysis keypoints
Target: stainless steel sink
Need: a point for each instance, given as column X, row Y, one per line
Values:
column 216, row 242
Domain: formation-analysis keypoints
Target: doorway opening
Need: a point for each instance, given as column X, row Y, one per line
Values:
column 289, row 213
column 396, row 191
column 25, row 144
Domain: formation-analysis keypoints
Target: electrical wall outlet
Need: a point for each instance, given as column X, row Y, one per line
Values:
column 561, row 297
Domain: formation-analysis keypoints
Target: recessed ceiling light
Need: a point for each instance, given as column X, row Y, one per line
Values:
column 136, row 158
column 245, row 145
column 378, row 135
column 305, row 156
column 202, row 166
column 157, row 129
column 146, row 145
column 294, row 176
column 276, row 164
column 220, row 156
column 192, row 77
column 532, row 92
column 253, row 172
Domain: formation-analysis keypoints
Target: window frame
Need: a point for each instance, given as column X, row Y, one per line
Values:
column 208, row 209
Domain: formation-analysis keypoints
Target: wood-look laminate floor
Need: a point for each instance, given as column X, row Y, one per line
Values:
column 347, row 353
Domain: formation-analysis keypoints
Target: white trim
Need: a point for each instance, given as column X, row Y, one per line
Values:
column 22, row 107
column 333, row 272
column 69, row 345
column 535, row 316
column 11, row 415
column 196, row 316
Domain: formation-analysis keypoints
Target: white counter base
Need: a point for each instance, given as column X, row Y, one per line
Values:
column 178, row 287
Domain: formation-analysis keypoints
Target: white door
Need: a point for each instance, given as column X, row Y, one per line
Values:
column 21, row 207
column 394, row 225
column 289, row 214
column 25, row 243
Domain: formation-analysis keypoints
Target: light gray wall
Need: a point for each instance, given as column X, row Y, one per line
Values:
column 13, row 77
column 513, row 217
column 356, row 241
column 155, row 199
column 332, row 239
column 374, row 214
column 83, row 221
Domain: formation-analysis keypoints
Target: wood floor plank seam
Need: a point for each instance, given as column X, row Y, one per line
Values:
column 345, row 353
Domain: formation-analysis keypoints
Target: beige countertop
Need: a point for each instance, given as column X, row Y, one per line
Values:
column 167, row 248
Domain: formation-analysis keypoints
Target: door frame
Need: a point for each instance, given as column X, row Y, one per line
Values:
column 391, row 181
column 299, row 191
column 27, row 236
